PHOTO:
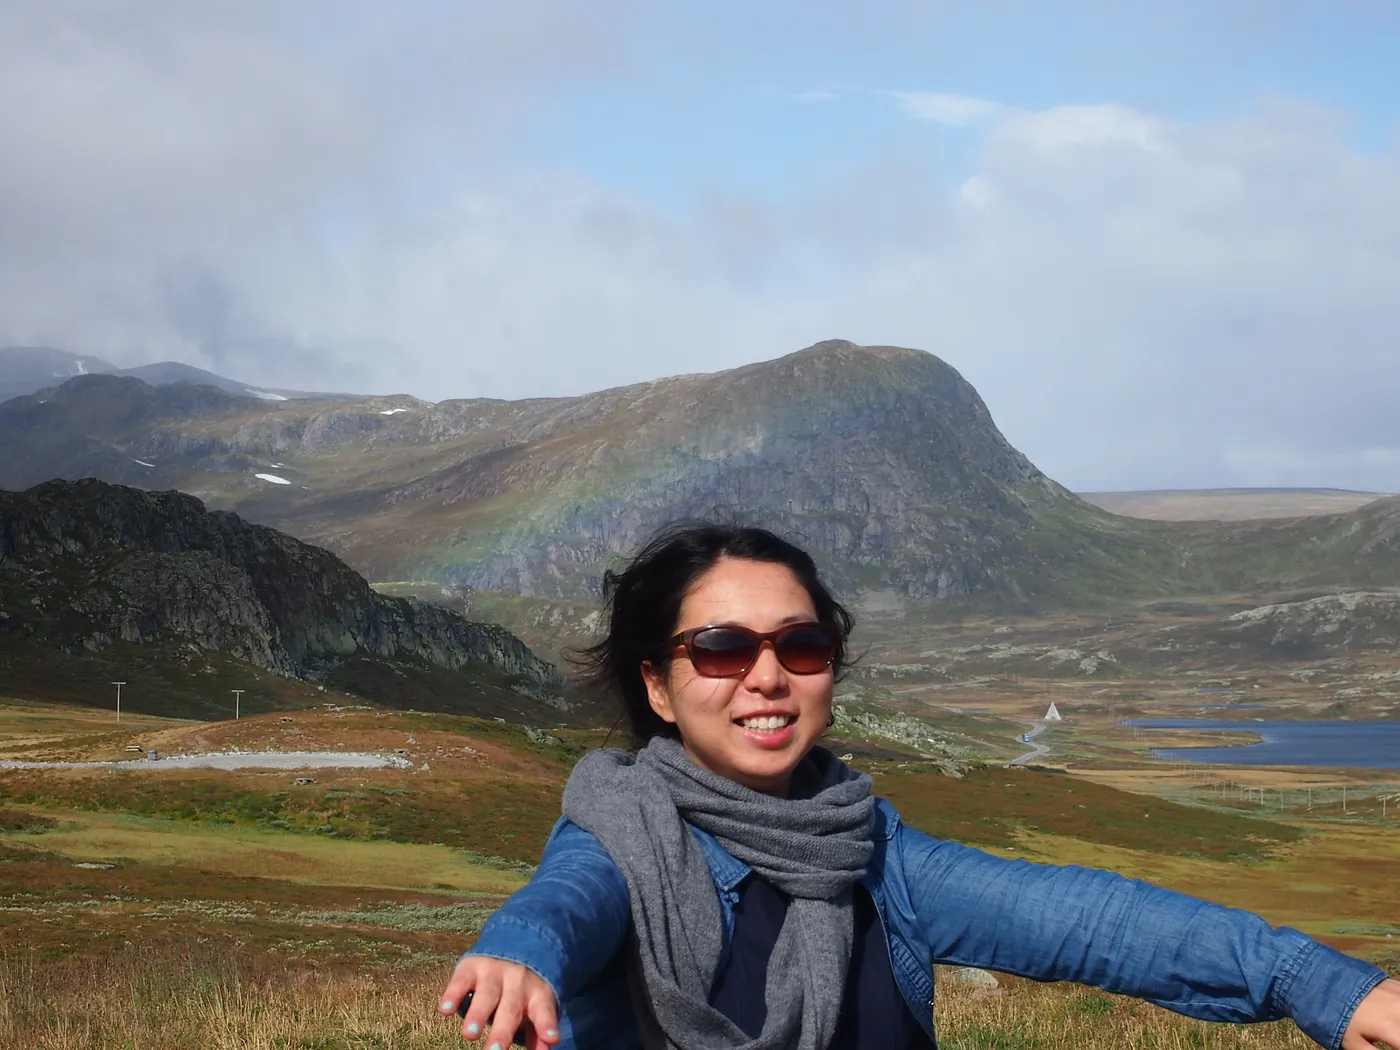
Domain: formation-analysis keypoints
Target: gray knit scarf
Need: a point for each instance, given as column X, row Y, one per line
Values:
column 812, row 846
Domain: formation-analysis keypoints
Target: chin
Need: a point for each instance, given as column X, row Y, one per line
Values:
column 770, row 774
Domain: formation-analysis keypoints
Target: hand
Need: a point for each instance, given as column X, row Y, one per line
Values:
column 509, row 997
column 1377, row 1019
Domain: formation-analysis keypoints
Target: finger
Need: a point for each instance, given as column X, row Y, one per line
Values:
column 462, row 981
column 543, row 1017
column 485, row 1002
column 508, row 1015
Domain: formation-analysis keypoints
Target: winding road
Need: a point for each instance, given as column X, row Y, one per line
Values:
column 1036, row 749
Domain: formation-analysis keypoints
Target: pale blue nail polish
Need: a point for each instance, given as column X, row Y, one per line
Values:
column 550, row 1033
column 473, row 1029
column 496, row 1046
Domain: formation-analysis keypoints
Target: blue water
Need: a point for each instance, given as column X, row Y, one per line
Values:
column 1338, row 745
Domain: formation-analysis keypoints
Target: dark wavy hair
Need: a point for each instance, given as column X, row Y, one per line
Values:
column 642, row 605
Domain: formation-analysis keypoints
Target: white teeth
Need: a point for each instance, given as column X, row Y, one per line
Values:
column 766, row 722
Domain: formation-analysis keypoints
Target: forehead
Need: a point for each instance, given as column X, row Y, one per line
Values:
column 754, row 593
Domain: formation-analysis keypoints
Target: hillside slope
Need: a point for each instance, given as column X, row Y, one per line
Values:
column 86, row 565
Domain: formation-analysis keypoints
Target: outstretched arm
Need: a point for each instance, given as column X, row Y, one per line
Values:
column 1377, row 1019
column 1099, row 928
column 549, row 940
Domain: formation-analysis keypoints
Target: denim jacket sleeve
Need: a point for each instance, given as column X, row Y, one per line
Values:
column 569, row 920
column 1099, row 928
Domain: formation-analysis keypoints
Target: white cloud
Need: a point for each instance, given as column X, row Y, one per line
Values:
column 957, row 111
column 816, row 95
column 1142, row 302
column 1074, row 127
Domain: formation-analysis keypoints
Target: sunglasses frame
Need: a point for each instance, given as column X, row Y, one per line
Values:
column 685, row 640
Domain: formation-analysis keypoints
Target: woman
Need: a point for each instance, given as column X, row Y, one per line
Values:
column 731, row 884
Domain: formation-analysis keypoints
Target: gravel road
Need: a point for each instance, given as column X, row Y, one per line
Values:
column 235, row 760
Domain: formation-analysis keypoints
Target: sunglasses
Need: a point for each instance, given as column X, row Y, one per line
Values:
column 726, row 651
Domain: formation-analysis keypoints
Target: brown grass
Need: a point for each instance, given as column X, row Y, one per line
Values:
column 215, row 997
column 220, row 997
column 1023, row 1014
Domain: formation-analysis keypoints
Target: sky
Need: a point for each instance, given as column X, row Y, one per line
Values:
column 1162, row 240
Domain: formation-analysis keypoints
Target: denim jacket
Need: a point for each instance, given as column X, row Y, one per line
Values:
column 947, row 903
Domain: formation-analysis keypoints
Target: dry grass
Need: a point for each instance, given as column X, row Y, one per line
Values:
column 1022, row 1014
column 217, row 997
column 213, row 998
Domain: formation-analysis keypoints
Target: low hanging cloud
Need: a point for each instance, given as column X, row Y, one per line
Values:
column 1142, row 302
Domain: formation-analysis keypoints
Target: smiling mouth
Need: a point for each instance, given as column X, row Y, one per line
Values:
column 767, row 723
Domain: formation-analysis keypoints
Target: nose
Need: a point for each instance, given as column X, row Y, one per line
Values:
column 766, row 675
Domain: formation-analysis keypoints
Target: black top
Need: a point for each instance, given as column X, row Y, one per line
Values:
column 874, row 1014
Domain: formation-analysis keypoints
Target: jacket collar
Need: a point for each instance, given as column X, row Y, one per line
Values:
column 727, row 871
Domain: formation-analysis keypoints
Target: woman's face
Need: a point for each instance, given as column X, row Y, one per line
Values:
column 714, row 715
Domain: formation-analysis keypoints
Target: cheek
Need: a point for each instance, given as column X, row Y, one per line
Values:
column 695, row 699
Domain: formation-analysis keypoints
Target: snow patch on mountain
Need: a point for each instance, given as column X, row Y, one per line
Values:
column 272, row 478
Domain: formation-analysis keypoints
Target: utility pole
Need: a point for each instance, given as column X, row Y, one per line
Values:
column 119, row 699
column 237, row 696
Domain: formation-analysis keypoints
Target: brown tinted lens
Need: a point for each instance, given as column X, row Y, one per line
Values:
column 805, row 648
column 722, row 651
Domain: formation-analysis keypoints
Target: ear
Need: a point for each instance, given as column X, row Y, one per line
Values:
column 658, row 692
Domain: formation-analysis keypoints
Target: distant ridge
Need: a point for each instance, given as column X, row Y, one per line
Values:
column 1230, row 504
column 30, row 369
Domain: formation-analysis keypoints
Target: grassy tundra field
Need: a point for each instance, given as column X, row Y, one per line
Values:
column 320, row 909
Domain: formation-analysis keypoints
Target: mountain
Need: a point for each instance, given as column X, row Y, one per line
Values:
column 883, row 461
column 26, row 369
column 30, row 369
column 85, row 566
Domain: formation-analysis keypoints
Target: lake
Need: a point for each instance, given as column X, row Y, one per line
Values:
column 1342, row 745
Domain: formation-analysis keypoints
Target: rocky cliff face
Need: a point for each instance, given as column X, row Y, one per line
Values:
column 84, row 564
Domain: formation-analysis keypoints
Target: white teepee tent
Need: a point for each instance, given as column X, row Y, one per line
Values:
column 1053, row 715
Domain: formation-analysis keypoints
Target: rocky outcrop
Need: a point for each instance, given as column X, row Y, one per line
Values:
column 85, row 563
column 1348, row 622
